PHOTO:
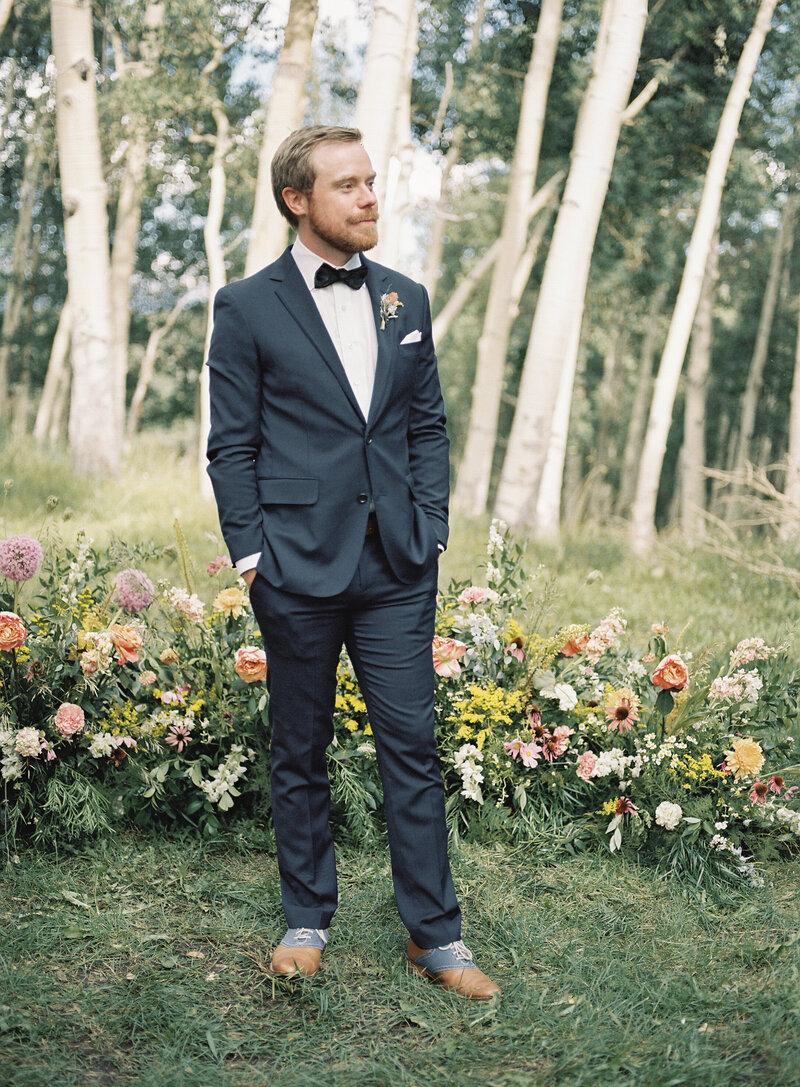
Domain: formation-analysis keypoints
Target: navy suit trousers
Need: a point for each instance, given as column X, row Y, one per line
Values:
column 387, row 627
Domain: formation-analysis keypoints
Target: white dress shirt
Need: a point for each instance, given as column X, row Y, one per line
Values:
column 350, row 322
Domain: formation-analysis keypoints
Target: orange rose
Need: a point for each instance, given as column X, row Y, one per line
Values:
column 671, row 674
column 12, row 630
column 127, row 641
column 575, row 645
column 251, row 664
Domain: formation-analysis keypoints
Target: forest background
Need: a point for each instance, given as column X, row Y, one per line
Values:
column 632, row 357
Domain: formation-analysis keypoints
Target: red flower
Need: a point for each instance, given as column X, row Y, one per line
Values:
column 575, row 645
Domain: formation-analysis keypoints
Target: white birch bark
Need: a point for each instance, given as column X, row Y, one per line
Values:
column 5, row 11
column 382, row 86
column 553, row 345
column 20, row 254
column 474, row 473
column 95, row 415
column 698, row 373
column 55, row 379
column 641, row 399
column 398, row 196
column 791, row 527
column 124, row 248
column 780, row 251
column 642, row 529
column 287, row 104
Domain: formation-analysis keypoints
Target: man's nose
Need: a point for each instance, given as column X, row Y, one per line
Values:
column 368, row 197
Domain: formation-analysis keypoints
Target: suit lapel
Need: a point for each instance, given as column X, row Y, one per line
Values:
column 294, row 294
column 378, row 284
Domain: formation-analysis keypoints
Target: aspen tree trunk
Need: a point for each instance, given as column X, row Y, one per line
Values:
column 792, row 485
column 474, row 473
column 382, row 87
column 642, row 530
column 397, row 199
column 5, row 11
column 129, row 202
column 553, row 346
column 287, row 104
column 20, row 253
column 212, row 235
column 433, row 256
column 693, row 452
column 543, row 200
column 149, row 360
column 94, row 434
column 780, row 252
column 641, row 401
column 57, row 376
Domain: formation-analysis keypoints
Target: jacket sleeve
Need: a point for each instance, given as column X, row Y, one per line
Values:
column 428, row 444
column 235, row 433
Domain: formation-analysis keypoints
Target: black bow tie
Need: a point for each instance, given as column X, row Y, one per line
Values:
column 353, row 277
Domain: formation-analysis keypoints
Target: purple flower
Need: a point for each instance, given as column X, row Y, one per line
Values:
column 133, row 590
column 20, row 557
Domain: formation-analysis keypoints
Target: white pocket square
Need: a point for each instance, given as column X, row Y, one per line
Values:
column 412, row 337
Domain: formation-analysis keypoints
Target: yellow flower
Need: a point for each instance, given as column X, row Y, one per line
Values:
column 464, row 733
column 480, row 739
column 351, row 725
column 368, row 729
column 746, row 758
column 609, row 807
column 231, row 601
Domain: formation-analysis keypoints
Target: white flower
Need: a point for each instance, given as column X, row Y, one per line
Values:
column 103, row 744
column 467, row 760
column 566, row 695
column 668, row 815
column 221, row 786
column 28, row 742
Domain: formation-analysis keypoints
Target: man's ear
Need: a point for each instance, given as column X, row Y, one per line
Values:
column 296, row 201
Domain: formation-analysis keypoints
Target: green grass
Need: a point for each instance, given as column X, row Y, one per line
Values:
column 143, row 961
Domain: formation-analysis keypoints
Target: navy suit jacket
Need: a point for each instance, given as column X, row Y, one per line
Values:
column 294, row 463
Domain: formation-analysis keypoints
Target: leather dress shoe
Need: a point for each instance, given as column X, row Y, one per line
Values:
column 452, row 967
column 299, row 952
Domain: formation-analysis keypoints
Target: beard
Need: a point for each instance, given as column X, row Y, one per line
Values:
column 352, row 236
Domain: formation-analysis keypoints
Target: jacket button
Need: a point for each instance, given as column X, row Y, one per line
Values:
column 362, row 498
column 369, row 441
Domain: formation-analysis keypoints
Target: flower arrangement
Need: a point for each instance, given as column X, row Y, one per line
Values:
column 120, row 701
column 125, row 700
column 389, row 305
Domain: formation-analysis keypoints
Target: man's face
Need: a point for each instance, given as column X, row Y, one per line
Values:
column 340, row 215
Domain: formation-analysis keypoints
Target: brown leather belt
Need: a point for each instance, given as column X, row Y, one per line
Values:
column 372, row 525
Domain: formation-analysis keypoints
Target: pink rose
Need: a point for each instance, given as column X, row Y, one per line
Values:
column 127, row 641
column 69, row 719
column 671, row 674
column 251, row 664
column 12, row 630
column 473, row 594
column 446, row 652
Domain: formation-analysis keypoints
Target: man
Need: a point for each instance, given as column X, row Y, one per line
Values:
column 329, row 460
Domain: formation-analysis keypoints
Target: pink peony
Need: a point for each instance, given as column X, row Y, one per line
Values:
column 69, row 719
column 20, row 557
column 446, row 652
column 586, row 764
column 133, row 590
column 12, row 630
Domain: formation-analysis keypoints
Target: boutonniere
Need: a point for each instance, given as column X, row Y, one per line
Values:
column 390, row 304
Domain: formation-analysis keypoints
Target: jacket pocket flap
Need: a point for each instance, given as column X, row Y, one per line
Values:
column 288, row 492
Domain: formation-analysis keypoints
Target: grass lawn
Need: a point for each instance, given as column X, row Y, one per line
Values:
column 142, row 960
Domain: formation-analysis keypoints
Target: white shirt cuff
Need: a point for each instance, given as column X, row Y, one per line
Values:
column 249, row 562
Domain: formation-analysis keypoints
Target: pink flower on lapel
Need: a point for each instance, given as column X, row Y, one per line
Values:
column 390, row 304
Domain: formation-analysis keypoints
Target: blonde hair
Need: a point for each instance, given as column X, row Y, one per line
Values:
column 292, row 167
